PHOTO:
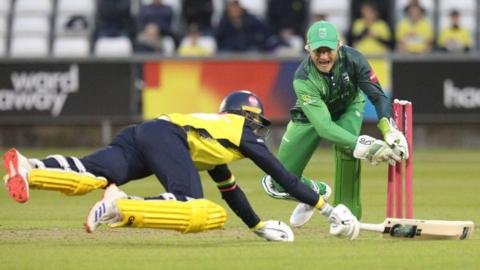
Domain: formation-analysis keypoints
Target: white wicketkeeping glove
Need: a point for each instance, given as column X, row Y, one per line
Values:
column 375, row 151
column 343, row 223
column 393, row 137
column 274, row 230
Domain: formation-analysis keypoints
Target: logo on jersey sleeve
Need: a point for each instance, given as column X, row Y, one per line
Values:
column 373, row 76
column 307, row 99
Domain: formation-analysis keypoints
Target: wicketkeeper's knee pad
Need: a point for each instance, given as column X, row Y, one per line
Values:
column 68, row 182
column 347, row 181
column 191, row 216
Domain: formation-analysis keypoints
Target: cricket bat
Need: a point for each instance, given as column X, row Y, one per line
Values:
column 421, row 229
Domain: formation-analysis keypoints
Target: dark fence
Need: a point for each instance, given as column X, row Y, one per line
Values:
column 443, row 89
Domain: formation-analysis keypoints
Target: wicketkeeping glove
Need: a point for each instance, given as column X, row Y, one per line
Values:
column 393, row 137
column 375, row 151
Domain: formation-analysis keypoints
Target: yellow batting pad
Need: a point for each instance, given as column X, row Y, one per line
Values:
column 68, row 182
column 192, row 216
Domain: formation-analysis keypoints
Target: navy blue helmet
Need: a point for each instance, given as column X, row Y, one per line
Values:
column 247, row 104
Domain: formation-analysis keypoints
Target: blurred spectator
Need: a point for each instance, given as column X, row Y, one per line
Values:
column 149, row 40
column 114, row 19
column 414, row 32
column 195, row 44
column 319, row 17
column 289, row 43
column 413, row 3
column 385, row 9
column 199, row 13
column 455, row 38
column 156, row 13
column 287, row 14
column 370, row 34
column 239, row 31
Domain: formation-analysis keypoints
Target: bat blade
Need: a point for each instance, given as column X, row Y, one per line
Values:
column 422, row 229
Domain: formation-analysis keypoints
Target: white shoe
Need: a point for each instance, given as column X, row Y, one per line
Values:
column 17, row 167
column 304, row 212
column 105, row 211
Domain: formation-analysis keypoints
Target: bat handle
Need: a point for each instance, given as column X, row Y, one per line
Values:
column 372, row 227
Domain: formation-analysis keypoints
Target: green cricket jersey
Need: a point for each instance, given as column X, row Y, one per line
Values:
column 323, row 98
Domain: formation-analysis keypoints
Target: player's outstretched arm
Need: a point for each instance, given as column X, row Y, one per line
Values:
column 236, row 199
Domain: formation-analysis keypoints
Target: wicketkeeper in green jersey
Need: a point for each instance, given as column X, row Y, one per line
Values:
column 330, row 85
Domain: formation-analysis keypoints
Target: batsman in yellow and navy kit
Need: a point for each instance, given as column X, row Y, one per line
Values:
column 173, row 147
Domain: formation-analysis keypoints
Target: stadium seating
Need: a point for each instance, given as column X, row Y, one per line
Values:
column 113, row 47
column 75, row 17
column 467, row 9
column 75, row 6
column 65, row 27
column 168, row 46
column 29, row 46
column 71, row 47
column 38, row 25
column 5, row 6
column 338, row 12
column 38, row 7
column 3, row 46
column 257, row 8
column 400, row 5
column 3, row 25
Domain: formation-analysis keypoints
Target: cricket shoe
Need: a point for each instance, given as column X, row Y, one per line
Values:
column 273, row 191
column 304, row 212
column 105, row 211
column 16, row 181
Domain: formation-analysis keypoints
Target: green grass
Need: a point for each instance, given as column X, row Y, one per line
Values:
column 46, row 232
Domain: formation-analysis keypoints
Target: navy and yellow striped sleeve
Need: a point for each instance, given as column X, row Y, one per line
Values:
column 233, row 195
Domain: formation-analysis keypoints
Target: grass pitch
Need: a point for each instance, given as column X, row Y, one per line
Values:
column 46, row 232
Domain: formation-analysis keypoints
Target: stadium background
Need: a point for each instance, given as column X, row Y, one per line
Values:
column 106, row 87
column 69, row 100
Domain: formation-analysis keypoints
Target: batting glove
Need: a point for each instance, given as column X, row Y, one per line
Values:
column 343, row 223
column 274, row 230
